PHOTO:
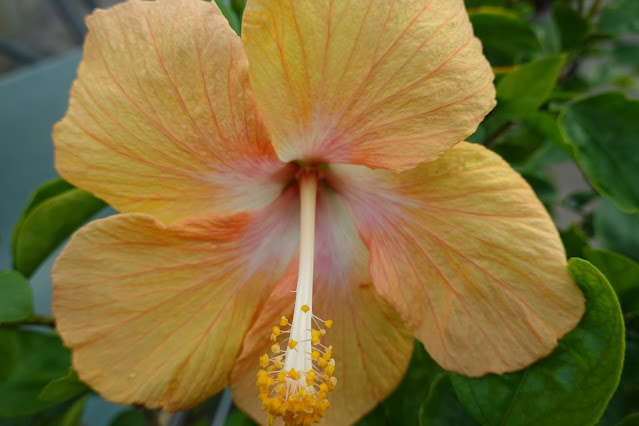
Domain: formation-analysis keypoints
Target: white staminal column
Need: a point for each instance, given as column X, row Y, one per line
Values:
column 298, row 357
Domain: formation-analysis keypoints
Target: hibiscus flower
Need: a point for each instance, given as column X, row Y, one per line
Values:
column 300, row 201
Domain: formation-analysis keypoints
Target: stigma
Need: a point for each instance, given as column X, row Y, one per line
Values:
column 293, row 383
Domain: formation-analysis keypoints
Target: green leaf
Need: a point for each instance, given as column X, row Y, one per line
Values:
column 622, row 273
column 230, row 15
column 575, row 242
column 403, row 404
column 375, row 418
column 130, row 417
column 616, row 230
column 55, row 211
column 238, row 7
column 604, row 131
column 16, row 297
column 74, row 415
column 63, row 388
column 619, row 17
column 571, row 386
column 573, row 28
column 507, row 38
column 44, row 192
column 28, row 361
column 524, row 90
column 442, row 408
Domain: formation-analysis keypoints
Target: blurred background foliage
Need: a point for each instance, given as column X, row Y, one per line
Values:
column 567, row 74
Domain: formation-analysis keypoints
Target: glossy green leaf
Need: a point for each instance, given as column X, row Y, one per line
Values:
column 604, row 131
column 573, row 28
column 63, row 388
column 573, row 385
column 16, row 297
column 55, row 211
column 442, row 407
column 403, row 404
column 507, row 38
column 619, row 17
column 616, row 230
column 622, row 273
column 575, row 242
column 130, row 417
column 524, row 90
column 28, row 361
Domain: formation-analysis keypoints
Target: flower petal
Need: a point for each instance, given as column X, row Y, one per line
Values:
column 162, row 118
column 371, row 347
column 156, row 314
column 468, row 256
column 387, row 84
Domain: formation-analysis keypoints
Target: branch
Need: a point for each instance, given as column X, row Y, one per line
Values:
column 34, row 320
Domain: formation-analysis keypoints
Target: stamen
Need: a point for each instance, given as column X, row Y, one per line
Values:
column 294, row 387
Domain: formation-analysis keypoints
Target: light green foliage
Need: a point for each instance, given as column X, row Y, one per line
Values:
column 56, row 210
column 570, row 386
column 16, row 298
column 63, row 388
column 524, row 90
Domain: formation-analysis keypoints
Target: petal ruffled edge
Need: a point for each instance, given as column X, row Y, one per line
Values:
column 468, row 256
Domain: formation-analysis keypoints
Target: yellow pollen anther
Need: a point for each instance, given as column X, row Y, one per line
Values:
column 283, row 322
column 305, row 308
column 276, row 348
column 264, row 361
column 291, row 344
column 328, row 323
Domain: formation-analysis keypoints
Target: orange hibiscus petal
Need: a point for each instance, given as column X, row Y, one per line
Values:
column 162, row 118
column 371, row 347
column 387, row 84
column 156, row 314
column 468, row 256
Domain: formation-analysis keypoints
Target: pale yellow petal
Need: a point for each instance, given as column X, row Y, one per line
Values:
column 469, row 258
column 387, row 84
column 162, row 118
column 156, row 314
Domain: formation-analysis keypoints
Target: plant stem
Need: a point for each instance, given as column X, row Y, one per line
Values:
column 490, row 140
column 34, row 320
